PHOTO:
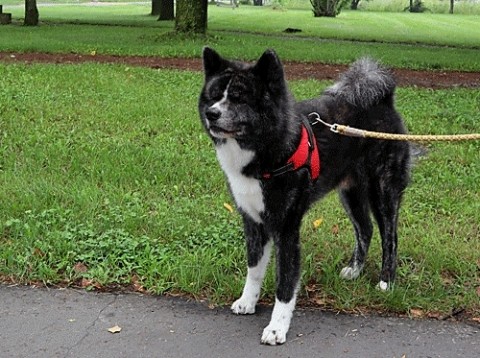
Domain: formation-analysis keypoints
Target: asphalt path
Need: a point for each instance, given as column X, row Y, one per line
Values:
column 38, row 322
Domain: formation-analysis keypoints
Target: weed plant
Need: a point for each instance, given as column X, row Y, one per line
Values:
column 108, row 179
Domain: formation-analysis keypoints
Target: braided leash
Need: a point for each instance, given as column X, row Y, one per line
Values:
column 355, row 132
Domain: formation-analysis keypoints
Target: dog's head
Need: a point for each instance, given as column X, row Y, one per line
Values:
column 241, row 100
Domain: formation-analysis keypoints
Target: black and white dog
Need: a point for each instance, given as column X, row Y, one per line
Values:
column 277, row 164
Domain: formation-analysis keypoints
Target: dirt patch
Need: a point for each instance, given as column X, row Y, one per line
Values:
column 294, row 70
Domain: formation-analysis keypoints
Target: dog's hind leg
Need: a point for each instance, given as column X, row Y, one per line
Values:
column 258, row 253
column 385, row 195
column 385, row 202
column 355, row 202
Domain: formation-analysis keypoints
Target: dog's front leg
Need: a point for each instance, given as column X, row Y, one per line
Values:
column 288, row 276
column 258, row 253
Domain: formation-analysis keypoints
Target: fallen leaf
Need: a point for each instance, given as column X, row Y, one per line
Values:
column 416, row 312
column 93, row 53
column 38, row 252
column 88, row 283
column 317, row 223
column 320, row 301
column 435, row 315
column 476, row 319
column 115, row 329
column 228, row 207
column 80, row 267
column 335, row 229
column 137, row 286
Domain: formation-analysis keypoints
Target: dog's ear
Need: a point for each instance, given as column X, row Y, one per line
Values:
column 212, row 62
column 270, row 69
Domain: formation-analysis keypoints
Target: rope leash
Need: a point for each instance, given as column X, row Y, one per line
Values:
column 361, row 133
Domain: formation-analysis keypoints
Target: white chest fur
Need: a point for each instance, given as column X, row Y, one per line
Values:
column 246, row 191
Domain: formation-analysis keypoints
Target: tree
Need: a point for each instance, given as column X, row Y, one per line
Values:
column 450, row 10
column 330, row 8
column 156, row 4
column 31, row 13
column 166, row 10
column 354, row 4
column 416, row 6
column 191, row 16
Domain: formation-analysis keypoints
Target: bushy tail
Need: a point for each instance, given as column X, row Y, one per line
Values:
column 365, row 84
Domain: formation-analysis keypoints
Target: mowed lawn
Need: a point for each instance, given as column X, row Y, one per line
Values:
column 419, row 41
column 108, row 180
column 108, row 176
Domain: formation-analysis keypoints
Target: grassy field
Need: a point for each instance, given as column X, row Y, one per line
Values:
column 446, row 42
column 108, row 177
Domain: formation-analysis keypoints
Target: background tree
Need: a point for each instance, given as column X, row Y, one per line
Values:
column 31, row 13
column 450, row 10
column 191, row 16
column 416, row 6
column 167, row 8
column 354, row 4
column 156, row 7
column 330, row 8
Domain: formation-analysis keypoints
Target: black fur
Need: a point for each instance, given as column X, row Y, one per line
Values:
column 260, row 114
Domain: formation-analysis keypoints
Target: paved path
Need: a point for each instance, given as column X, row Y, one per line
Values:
column 67, row 323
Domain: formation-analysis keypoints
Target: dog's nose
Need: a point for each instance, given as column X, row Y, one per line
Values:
column 213, row 114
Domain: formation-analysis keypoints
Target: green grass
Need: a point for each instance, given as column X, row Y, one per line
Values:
column 432, row 6
column 107, row 175
column 419, row 41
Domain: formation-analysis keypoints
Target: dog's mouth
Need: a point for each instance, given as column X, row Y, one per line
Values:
column 219, row 132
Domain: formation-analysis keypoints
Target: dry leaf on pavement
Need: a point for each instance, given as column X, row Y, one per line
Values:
column 115, row 329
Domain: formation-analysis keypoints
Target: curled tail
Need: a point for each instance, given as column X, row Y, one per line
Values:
column 365, row 84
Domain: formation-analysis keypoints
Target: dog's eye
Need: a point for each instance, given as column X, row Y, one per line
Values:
column 216, row 95
column 235, row 96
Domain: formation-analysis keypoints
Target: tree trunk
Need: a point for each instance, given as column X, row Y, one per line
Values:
column 326, row 8
column 451, row 6
column 166, row 10
column 191, row 16
column 5, row 18
column 31, row 13
column 354, row 4
column 156, row 5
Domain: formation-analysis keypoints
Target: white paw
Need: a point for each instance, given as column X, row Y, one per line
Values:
column 350, row 273
column 243, row 306
column 383, row 286
column 276, row 331
column 274, row 335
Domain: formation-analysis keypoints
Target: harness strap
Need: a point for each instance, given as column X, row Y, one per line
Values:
column 306, row 156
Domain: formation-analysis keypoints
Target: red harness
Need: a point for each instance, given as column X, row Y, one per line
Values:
column 306, row 156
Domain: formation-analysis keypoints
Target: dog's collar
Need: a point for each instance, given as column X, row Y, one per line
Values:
column 305, row 156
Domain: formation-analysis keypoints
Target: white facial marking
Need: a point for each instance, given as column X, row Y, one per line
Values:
column 246, row 191
column 276, row 331
column 221, row 105
column 253, row 284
